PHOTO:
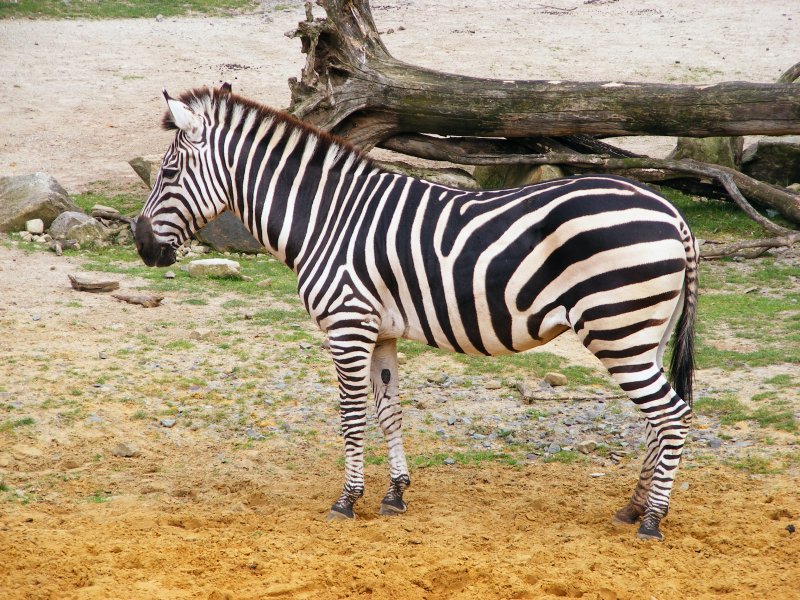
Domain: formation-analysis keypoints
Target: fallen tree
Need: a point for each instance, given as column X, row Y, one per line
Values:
column 352, row 86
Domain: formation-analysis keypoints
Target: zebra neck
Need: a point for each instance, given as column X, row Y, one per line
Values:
column 292, row 198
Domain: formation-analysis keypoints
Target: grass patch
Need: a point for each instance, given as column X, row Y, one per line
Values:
column 13, row 424
column 564, row 456
column 127, row 204
column 119, row 9
column 729, row 410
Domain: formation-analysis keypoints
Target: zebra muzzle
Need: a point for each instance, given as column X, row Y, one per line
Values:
column 153, row 252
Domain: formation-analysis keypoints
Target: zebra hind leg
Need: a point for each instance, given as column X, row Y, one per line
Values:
column 390, row 416
column 668, row 418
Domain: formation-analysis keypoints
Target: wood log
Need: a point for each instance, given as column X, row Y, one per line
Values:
column 146, row 300
column 85, row 284
column 642, row 168
column 352, row 86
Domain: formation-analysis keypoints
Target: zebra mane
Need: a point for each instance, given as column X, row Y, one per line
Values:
column 206, row 101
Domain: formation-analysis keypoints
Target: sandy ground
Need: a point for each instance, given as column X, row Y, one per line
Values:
column 81, row 98
column 203, row 513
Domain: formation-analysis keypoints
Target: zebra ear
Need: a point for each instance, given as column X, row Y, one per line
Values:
column 226, row 88
column 184, row 117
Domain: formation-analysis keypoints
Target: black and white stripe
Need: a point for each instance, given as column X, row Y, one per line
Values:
column 380, row 256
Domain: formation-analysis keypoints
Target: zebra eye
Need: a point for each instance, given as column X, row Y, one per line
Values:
column 169, row 172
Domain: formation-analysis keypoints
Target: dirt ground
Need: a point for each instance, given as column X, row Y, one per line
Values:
column 200, row 513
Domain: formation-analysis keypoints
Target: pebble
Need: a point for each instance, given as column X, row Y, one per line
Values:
column 125, row 450
column 451, row 420
column 169, row 275
column 714, row 444
column 449, row 460
column 597, row 475
column 305, row 346
column 493, row 384
column 401, row 358
column 587, row 446
column 556, row 379
column 169, row 423
column 200, row 334
column 553, row 448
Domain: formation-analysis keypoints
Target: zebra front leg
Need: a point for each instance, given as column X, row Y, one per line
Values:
column 352, row 353
column 390, row 416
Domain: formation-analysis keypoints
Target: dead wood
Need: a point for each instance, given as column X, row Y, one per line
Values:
column 352, row 86
column 85, row 284
column 468, row 151
column 758, row 247
column 146, row 300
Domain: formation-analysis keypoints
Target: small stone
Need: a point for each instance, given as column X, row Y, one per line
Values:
column 214, row 267
column 200, row 334
column 449, row 460
column 125, row 450
column 714, row 444
column 791, row 528
column 451, row 420
column 249, row 315
column 684, row 486
column 265, row 283
column 26, row 236
column 493, row 384
column 401, row 358
column 553, row 448
column 586, row 446
column 305, row 346
column 35, row 226
column 102, row 355
column 169, row 275
column 597, row 475
column 159, row 18
column 168, row 423
column 555, row 379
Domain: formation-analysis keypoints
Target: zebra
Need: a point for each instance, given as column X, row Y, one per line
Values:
column 381, row 256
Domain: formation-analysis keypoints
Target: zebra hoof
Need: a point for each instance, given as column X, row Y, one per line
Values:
column 340, row 513
column 646, row 533
column 626, row 516
column 392, row 508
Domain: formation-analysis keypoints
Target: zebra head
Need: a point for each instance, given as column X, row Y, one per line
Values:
column 184, row 197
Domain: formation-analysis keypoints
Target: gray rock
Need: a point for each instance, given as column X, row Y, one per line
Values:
column 451, row 420
column 35, row 226
column 227, row 234
column 553, row 448
column 724, row 151
column 26, row 197
column 774, row 160
column 168, row 423
column 556, row 379
column 214, row 267
column 586, row 446
column 493, row 384
column 502, row 176
column 74, row 225
column 714, row 444
column 449, row 460
column 147, row 168
column 125, row 450
column 169, row 275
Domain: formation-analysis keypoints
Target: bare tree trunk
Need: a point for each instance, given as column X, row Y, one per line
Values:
column 352, row 86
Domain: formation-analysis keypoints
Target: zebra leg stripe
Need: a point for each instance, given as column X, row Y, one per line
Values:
column 667, row 426
column 390, row 416
column 352, row 355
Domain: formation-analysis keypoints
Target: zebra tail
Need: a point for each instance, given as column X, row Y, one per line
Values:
column 682, row 364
